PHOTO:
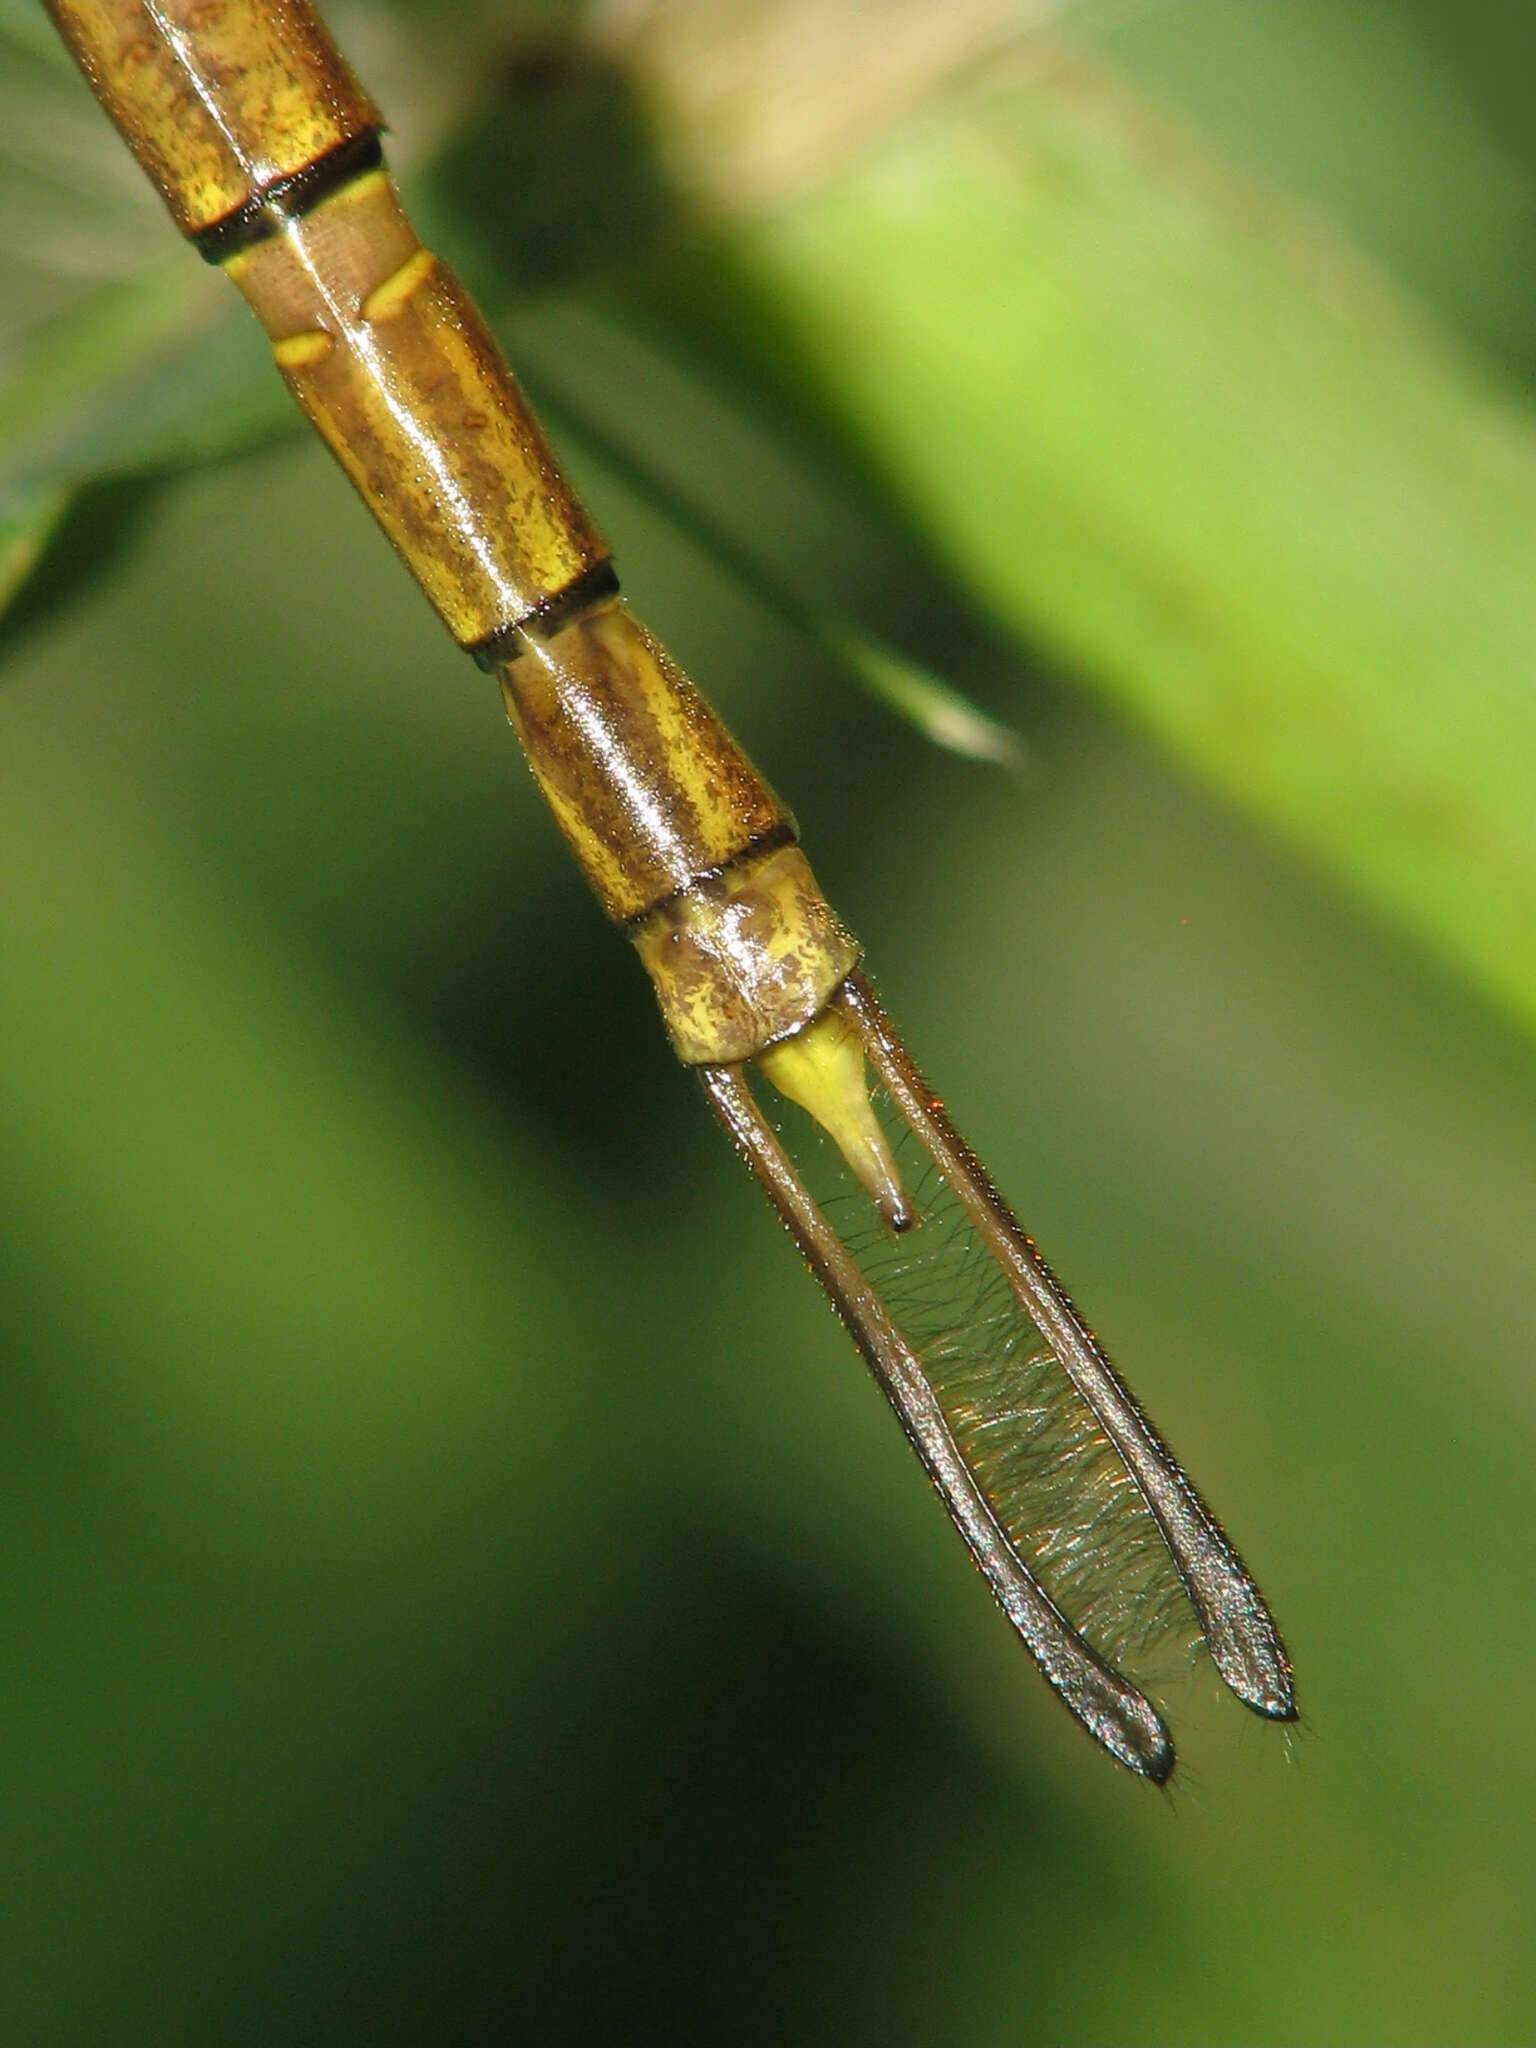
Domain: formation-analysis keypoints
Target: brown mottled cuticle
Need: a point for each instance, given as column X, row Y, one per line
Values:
column 649, row 788
column 746, row 959
column 420, row 409
column 285, row 95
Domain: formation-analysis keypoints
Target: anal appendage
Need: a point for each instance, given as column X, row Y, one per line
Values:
column 822, row 1069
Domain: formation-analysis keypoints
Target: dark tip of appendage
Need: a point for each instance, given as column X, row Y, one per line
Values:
column 269, row 211
column 1276, row 1703
column 1119, row 1717
column 1252, row 1661
column 1159, row 1766
column 1144, row 1747
column 1275, row 1697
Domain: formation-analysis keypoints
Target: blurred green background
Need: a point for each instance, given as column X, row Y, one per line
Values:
column 457, row 1582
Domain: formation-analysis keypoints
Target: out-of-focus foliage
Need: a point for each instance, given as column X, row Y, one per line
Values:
column 457, row 1580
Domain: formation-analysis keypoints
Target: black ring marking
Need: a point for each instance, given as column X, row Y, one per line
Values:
column 547, row 616
column 785, row 833
column 268, row 212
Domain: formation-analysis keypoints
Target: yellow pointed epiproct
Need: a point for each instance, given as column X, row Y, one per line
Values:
column 822, row 1068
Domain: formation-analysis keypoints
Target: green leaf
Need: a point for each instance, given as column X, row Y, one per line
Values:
column 1181, row 441
column 1159, row 430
